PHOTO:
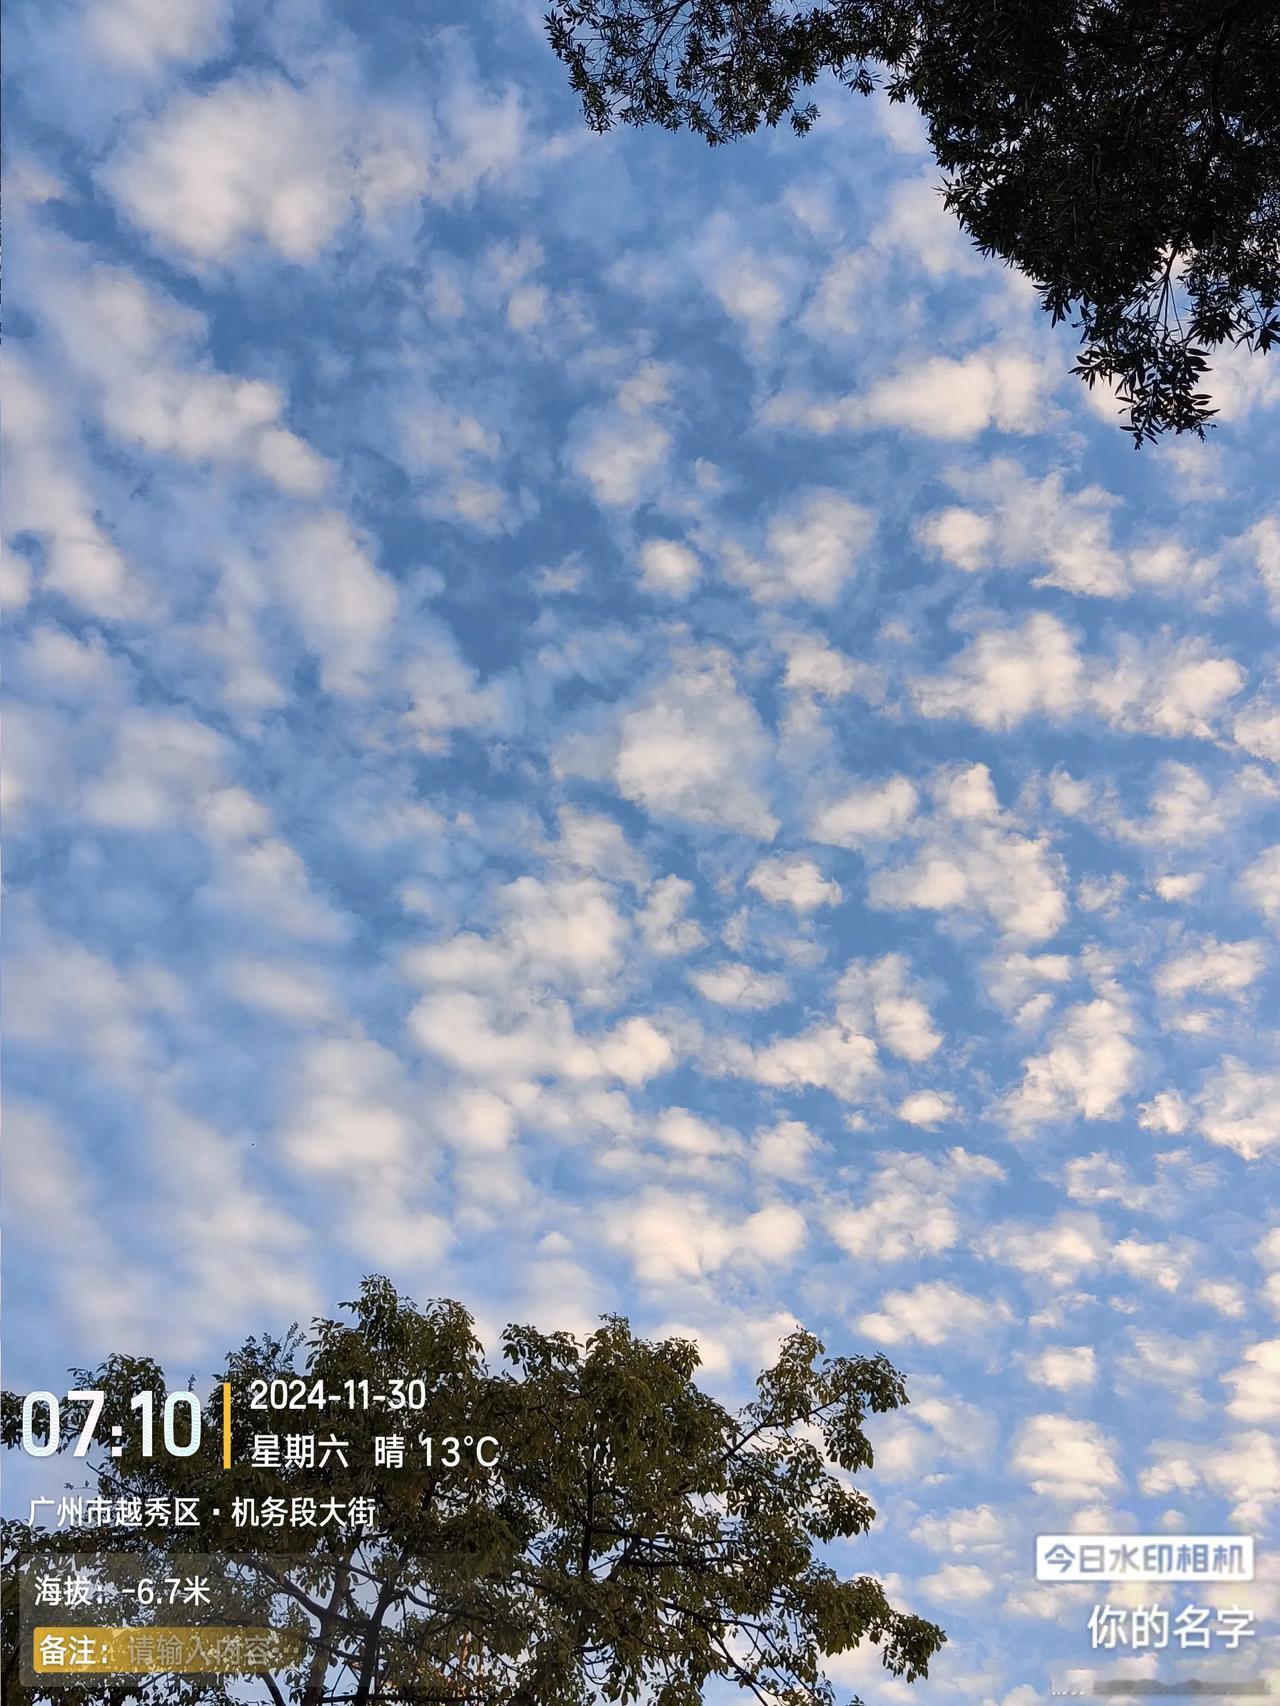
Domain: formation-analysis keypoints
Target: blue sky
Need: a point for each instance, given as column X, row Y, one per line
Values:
column 599, row 725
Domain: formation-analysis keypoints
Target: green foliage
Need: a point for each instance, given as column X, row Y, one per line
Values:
column 635, row 1540
column 1123, row 154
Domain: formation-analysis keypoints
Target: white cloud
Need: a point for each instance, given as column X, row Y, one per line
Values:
column 1255, row 1384
column 1102, row 894
column 517, row 1035
column 812, row 547
column 65, row 991
column 590, row 841
column 957, row 1533
column 671, row 1238
column 481, row 140
column 1240, row 1109
column 661, row 920
column 1005, row 675
column 1088, row 1068
column 233, row 635
column 874, row 811
column 1238, row 383
column 1064, row 1367
column 927, row 1108
column 878, row 994
column 939, row 397
column 824, row 1056
column 785, row 1150
column 1257, row 729
column 293, row 992
column 1008, row 674
column 695, row 749
column 957, row 1584
column 908, row 1207
column 76, row 671
column 15, row 578
column 934, row 1313
column 1185, row 811
column 1260, row 884
column 145, row 36
column 256, row 157
column 621, row 451
column 353, row 1114
column 1163, row 1265
column 733, row 984
column 1225, row 1297
column 794, row 881
column 973, row 859
column 901, row 123
column 260, row 875
column 818, row 671
column 220, row 1225
column 1101, row 1178
column 563, row 932
column 754, row 290
column 162, row 766
column 1031, row 524
column 1174, row 690
column 1263, row 542
column 44, row 496
column 1179, row 886
column 343, row 605
column 714, row 1355
column 47, row 1186
column 1065, row 1458
column 1243, row 1467
column 1015, row 981
column 143, row 355
column 833, row 309
column 595, row 1078
column 1197, row 473
column 683, row 1133
column 934, row 1431
column 945, row 398
column 666, row 566
column 1168, row 1360
column 620, row 457
column 1213, row 968
column 1057, row 1251
column 915, row 222
column 565, row 928
column 457, row 459
column 960, row 536
column 444, row 692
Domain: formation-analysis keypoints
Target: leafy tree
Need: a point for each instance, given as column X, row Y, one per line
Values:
column 1123, row 154
column 631, row 1540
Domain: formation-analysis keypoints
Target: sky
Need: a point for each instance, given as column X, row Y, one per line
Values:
column 600, row 725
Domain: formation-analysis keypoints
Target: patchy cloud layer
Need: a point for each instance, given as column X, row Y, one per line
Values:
column 597, row 725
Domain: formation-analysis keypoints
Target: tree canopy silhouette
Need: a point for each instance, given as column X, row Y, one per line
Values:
column 626, row 1537
column 1123, row 154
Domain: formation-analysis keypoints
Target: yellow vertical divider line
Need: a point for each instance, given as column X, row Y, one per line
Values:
column 226, row 1424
